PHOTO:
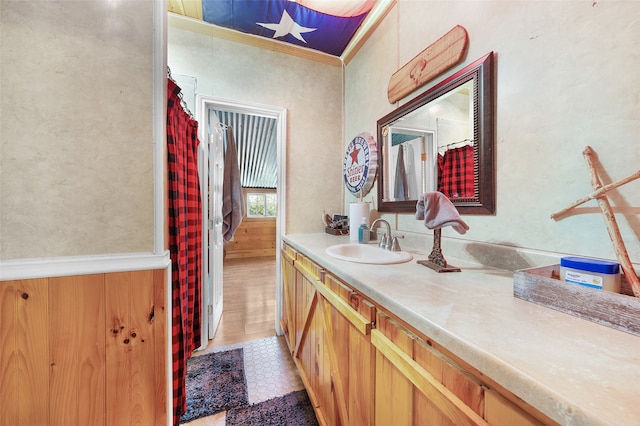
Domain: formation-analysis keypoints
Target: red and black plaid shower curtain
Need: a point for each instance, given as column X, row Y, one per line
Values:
column 185, row 241
column 456, row 172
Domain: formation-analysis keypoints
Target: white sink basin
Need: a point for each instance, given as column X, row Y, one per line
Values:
column 367, row 253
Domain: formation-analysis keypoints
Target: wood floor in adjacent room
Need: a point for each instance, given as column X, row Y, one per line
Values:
column 249, row 301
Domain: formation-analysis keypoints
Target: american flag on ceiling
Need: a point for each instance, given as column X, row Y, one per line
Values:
column 324, row 25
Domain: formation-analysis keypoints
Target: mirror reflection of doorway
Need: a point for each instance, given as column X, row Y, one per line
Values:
column 411, row 165
column 252, row 257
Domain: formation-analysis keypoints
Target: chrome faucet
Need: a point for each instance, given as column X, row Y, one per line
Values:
column 387, row 242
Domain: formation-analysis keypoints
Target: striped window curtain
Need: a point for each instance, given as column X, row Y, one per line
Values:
column 185, row 241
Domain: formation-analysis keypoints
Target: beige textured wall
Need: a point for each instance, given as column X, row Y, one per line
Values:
column 312, row 94
column 76, row 133
column 565, row 79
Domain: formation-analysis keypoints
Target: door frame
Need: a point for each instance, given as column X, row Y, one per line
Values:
column 203, row 104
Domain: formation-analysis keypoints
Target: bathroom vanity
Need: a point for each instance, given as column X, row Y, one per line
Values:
column 402, row 344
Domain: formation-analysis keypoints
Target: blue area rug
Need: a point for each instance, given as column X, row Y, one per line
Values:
column 292, row 409
column 215, row 382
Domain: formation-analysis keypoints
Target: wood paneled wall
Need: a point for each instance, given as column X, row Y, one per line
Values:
column 84, row 350
column 253, row 238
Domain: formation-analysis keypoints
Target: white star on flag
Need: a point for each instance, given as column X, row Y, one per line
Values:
column 287, row 26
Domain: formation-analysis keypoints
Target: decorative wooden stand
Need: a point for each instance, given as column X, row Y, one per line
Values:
column 609, row 217
column 436, row 260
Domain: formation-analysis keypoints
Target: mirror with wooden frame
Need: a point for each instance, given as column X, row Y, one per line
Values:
column 442, row 140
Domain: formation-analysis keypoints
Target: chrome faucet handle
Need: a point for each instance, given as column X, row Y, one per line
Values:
column 395, row 245
column 383, row 242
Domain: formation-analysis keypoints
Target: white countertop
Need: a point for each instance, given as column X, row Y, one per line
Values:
column 575, row 371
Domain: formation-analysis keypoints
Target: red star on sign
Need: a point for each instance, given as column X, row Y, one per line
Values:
column 354, row 155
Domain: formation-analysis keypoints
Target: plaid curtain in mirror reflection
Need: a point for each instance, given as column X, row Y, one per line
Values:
column 456, row 172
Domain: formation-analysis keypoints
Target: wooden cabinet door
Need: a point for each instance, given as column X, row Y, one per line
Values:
column 333, row 351
column 308, row 351
column 393, row 389
column 287, row 323
column 415, row 385
column 500, row 411
column 348, row 319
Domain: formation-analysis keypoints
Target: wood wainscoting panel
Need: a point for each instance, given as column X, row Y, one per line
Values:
column 159, row 317
column 84, row 350
column 77, row 348
column 24, row 375
column 130, row 348
column 9, row 410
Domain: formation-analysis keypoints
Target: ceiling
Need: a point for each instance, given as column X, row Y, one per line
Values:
column 256, row 144
column 333, row 29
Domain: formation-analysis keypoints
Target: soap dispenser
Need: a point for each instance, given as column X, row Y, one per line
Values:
column 363, row 232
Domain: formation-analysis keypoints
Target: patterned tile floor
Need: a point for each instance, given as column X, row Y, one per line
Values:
column 269, row 370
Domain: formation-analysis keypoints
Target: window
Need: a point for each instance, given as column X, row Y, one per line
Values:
column 262, row 204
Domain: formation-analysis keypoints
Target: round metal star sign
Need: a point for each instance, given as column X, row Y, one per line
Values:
column 360, row 164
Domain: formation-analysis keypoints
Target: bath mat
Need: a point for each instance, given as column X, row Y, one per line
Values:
column 292, row 409
column 215, row 383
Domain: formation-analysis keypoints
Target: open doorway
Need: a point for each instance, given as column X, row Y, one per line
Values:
column 212, row 113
